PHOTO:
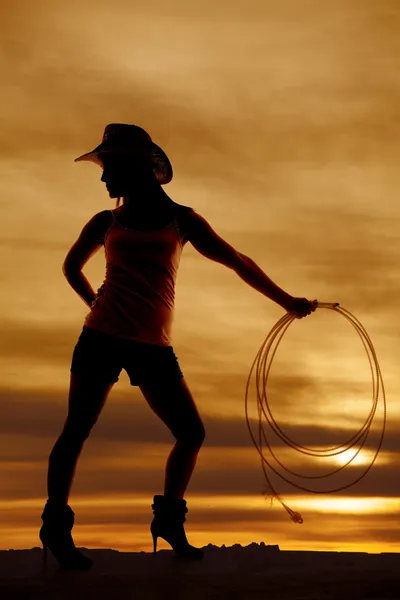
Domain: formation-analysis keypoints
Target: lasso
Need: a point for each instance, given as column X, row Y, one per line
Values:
column 263, row 362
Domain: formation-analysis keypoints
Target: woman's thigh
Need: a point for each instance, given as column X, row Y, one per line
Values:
column 147, row 362
column 173, row 403
column 95, row 367
column 97, row 356
column 86, row 399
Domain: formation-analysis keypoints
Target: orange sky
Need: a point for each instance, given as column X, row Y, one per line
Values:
column 281, row 121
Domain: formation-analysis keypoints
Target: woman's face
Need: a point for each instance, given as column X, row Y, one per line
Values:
column 123, row 172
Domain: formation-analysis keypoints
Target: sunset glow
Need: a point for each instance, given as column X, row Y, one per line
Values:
column 281, row 120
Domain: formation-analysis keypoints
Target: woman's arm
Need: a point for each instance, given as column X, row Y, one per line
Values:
column 206, row 241
column 88, row 243
column 81, row 285
column 251, row 273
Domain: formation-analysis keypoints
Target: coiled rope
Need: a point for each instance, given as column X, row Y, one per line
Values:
column 262, row 364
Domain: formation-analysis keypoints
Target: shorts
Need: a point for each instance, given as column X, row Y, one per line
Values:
column 105, row 355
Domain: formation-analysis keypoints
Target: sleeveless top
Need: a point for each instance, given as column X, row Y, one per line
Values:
column 136, row 298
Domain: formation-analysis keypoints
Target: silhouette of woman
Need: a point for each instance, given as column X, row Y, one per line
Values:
column 129, row 326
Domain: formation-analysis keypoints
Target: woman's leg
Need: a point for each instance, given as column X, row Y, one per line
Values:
column 87, row 396
column 173, row 402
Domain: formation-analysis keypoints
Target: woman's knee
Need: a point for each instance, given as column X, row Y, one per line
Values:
column 76, row 432
column 193, row 438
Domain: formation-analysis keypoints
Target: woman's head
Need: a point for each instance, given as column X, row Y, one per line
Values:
column 128, row 155
column 124, row 173
column 131, row 162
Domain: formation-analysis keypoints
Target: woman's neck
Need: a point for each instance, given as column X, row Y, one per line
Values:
column 147, row 202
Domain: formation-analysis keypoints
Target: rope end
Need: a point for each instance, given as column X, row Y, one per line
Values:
column 296, row 518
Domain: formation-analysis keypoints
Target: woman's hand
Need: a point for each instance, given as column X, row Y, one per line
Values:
column 301, row 306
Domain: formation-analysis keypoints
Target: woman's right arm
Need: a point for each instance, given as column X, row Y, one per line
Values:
column 88, row 243
column 81, row 285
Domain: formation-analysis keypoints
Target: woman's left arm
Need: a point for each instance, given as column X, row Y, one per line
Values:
column 208, row 243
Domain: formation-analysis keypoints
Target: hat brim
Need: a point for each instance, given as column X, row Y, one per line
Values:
column 161, row 164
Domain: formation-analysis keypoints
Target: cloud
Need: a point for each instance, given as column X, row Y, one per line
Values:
column 32, row 423
column 281, row 124
column 240, row 131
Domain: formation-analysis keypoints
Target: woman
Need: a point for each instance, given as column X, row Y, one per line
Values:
column 129, row 326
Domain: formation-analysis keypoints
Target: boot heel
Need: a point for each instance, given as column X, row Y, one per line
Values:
column 169, row 517
column 155, row 537
column 55, row 535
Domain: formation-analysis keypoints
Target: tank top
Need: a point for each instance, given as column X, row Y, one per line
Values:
column 136, row 298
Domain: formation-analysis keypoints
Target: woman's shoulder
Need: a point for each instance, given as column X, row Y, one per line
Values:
column 187, row 214
column 101, row 223
column 182, row 211
column 183, row 214
column 105, row 218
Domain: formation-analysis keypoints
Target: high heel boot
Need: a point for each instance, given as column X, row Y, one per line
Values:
column 55, row 534
column 169, row 517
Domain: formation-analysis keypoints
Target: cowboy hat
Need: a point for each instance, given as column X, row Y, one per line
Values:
column 119, row 137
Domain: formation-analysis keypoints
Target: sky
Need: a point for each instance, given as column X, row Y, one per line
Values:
column 282, row 123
